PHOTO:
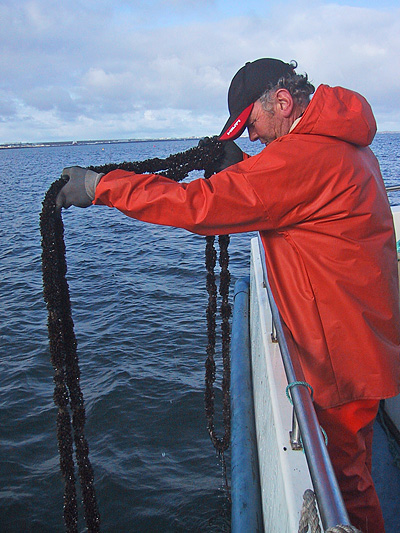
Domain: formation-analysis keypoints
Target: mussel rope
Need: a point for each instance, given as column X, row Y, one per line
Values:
column 66, row 368
column 62, row 341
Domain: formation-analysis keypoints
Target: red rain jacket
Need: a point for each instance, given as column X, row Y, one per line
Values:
column 317, row 197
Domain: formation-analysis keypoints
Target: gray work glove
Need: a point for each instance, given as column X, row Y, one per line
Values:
column 80, row 188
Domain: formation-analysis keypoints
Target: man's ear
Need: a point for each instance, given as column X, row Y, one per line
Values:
column 284, row 102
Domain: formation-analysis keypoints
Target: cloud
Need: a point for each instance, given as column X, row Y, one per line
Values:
column 87, row 69
column 51, row 98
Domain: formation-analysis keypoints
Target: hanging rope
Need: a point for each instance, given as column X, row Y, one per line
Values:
column 205, row 157
column 63, row 343
column 176, row 167
column 66, row 369
column 220, row 444
column 309, row 519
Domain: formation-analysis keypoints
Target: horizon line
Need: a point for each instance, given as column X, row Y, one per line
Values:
column 38, row 144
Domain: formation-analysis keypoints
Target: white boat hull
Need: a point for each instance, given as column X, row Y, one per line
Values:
column 284, row 473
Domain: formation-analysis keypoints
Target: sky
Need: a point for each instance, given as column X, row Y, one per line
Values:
column 123, row 69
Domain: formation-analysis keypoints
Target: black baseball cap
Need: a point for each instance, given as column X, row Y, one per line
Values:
column 248, row 84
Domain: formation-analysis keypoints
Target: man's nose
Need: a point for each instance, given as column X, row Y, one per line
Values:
column 252, row 134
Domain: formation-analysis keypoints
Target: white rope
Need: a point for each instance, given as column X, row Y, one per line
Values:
column 309, row 520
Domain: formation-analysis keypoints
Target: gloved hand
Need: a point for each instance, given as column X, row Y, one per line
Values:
column 80, row 189
column 232, row 155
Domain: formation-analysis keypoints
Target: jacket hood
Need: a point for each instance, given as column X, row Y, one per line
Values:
column 340, row 113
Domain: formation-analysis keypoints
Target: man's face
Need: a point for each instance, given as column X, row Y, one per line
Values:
column 268, row 123
column 261, row 125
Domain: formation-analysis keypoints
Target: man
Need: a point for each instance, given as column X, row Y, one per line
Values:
column 316, row 195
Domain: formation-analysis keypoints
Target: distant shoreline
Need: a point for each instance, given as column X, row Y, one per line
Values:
column 7, row 146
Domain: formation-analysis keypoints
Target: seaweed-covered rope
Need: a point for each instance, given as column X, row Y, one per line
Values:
column 66, row 368
column 220, row 444
column 207, row 157
column 62, row 339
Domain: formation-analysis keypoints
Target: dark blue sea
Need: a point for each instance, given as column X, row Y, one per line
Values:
column 138, row 302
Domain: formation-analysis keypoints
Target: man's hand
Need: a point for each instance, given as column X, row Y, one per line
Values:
column 80, row 189
column 232, row 155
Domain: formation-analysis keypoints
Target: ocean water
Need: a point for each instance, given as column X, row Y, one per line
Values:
column 138, row 302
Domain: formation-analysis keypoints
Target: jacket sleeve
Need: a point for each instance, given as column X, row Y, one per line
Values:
column 225, row 203
column 293, row 180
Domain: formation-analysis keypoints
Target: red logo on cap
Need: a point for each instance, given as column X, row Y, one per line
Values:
column 238, row 126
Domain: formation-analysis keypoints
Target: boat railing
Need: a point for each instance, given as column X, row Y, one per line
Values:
column 330, row 502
